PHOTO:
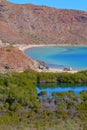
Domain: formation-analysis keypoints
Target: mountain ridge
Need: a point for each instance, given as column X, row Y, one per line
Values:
column 30, row 24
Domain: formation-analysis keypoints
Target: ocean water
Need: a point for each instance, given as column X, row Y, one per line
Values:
column 60, row 57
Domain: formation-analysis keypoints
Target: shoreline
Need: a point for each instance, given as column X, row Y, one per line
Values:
column 54, row 70
column 24, row 47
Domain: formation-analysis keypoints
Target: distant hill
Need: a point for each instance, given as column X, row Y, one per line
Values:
column 30, row 24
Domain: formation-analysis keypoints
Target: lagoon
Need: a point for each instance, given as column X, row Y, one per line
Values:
column 61, row 56
column 53, row 87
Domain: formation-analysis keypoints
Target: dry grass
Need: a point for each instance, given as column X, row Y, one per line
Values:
column 67, row 125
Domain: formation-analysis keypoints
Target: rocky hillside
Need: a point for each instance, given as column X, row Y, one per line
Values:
column 32, row 24
column 12, row 59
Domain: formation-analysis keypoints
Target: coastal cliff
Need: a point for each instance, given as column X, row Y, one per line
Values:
column 12, row 59
column 31, row 24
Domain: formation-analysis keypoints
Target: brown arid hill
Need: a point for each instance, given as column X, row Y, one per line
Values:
column 30, row 24
column 12, row 59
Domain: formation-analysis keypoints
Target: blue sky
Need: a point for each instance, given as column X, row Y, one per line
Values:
column 64, row 4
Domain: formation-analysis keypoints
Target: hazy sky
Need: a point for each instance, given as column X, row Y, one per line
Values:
column 64, row 4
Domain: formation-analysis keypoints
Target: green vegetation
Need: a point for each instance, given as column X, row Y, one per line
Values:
column 77, row 78
column 22, row 109
column 10, row 47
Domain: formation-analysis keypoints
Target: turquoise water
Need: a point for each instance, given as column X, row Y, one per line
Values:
column 60, row 57
column 50, row 88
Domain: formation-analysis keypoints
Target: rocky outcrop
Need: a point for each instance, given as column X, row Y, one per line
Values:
column 12, row 59
column 30, row 24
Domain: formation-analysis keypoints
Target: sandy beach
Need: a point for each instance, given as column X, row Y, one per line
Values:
column 54, row 70
column 23, row 47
